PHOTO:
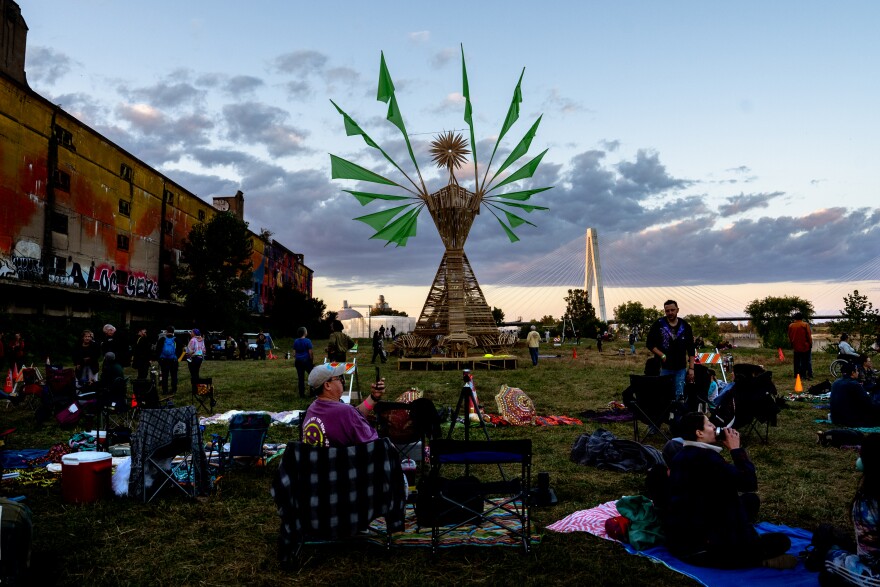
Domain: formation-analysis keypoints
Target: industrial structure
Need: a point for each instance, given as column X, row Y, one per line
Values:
column 80, row 214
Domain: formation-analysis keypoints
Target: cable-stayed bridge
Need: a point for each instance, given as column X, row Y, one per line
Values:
column 539, row 287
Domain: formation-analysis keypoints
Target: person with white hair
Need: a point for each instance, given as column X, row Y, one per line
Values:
column 533, row 341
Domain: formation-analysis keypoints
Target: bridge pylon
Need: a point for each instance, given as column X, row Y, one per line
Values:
column 593, row 274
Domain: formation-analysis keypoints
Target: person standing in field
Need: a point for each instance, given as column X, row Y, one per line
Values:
column 533, row 341
column 672, row 340
column 801, row 339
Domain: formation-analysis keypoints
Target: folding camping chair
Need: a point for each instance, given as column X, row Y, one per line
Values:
column 118, row 415
column 246, row 435
column 204, row 394
column 696, row 394
column 471, row 503
column 167, row 450
column 754, row 395
column 652, row 401
column 409, row 426
column 331, row 494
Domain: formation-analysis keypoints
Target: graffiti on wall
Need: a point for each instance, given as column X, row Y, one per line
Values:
column 25, row 264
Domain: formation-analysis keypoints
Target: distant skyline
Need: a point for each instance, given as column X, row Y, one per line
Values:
column 729, row 146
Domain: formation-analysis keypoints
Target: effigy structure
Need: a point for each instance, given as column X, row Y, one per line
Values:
column 455, row 315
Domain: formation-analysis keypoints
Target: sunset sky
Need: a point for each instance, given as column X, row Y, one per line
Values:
column 723, row 151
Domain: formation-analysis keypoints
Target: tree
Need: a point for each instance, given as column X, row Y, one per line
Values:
column 386, row 312
column 706, row 327
column 216, row 272
column 727, row 327
column 859, row 319
column 634, row 315
column 498, row 316
column 581, row 313
column 772, row 315
column 292, row 309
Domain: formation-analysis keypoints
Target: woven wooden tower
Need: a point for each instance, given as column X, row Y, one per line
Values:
column 455, row 309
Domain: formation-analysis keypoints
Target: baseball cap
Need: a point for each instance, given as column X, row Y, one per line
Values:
column 322, row 373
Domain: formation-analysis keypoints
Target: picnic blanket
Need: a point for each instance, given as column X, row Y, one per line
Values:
column 497, row 420
column 488, row 534
column 593, row 521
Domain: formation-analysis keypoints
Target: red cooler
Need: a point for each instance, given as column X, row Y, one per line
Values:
column 85, row 476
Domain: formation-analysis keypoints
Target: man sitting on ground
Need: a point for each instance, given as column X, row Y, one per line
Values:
column 709, row 523
column 850, row 403
column 329, row 421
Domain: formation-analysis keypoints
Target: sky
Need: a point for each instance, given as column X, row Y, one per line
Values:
column 722, row 151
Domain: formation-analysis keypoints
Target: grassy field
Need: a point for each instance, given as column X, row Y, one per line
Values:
column 229, row 538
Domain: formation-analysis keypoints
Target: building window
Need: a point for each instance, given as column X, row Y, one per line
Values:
column 169, row 197
column 122, row 242
column 59, row 266
column 201, row 215
column 59, row 223
column 125, row 207
column 167, row 227
column 64, row 137
column 125, row 172
column 61, row 180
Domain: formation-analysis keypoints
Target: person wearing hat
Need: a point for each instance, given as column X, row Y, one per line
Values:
column 195, row 354
column 533, row 341
column 329, row 421
column 851, row 405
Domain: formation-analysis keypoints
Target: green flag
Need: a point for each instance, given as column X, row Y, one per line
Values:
column 521, row 149
column 352, row 128
column 390, row 232
column 468, row 110
column 526, row 171
column 526, row 207
column 407, row 230
column 365, row 197
column 513, row 111
column 513, row 238
column 342, row 169
column 521, row 196
column 386, row 86
column 378, row 220
column 515, row 220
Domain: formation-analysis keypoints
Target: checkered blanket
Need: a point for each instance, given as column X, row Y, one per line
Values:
column 330, row 493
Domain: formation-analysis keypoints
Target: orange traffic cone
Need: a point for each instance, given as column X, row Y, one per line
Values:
column 15, row 373
column 781, row 356
column 7, row 389
column 798, row 386
column 574, row 353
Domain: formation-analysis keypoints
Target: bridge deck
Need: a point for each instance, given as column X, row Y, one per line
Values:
column 444, row 363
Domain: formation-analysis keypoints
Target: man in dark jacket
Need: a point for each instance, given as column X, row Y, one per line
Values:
column 142, row 354
column 672, row 340
column 850, row 403
column 709, row 522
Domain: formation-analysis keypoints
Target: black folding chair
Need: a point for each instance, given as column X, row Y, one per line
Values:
column 475, row 503
column 755, row 404
column 409, row 426
column 652, row 401
column 203, row 396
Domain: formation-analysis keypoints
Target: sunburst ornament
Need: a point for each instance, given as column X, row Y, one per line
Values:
column 449, row 151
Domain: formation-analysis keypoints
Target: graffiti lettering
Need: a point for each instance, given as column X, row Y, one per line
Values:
column 141, row 287
column 28, row 267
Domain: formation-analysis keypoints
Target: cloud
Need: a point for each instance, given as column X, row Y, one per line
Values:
column 165, row 94
column 441, row 58
column 453, row 102
column 45, row 65
column 255, row 123
column 242, row 84
column 419, row 36
column 303, row 62
column 556, row 102
column 743, row 203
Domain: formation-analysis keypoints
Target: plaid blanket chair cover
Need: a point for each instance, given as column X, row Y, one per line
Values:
column 156, row 428
column 326, row 493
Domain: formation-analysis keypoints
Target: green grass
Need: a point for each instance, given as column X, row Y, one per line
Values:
column 229, row 538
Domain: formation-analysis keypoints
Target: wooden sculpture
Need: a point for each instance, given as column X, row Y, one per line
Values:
column 455, row 314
